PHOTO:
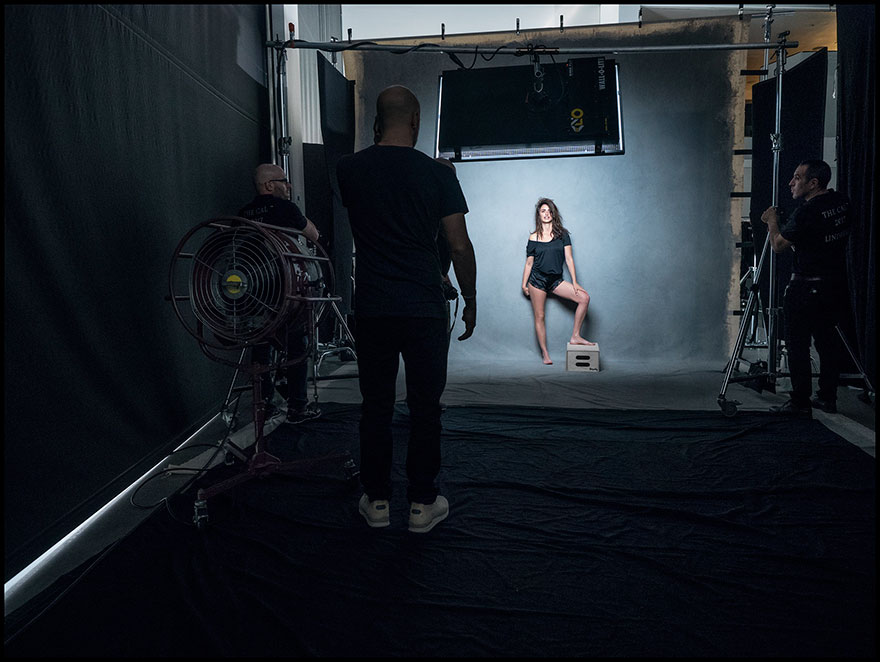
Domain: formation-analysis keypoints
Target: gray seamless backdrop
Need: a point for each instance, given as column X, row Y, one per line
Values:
column 653, row 231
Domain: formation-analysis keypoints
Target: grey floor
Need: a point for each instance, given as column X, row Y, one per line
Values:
column 514, row 383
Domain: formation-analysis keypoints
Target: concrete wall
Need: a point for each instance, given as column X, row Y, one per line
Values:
column 653, row 231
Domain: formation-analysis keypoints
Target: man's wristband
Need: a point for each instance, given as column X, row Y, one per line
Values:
column 472, row 297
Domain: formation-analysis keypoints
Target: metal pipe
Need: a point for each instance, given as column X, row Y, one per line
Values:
column 282, row 95
column 768, row 20
column 730, row 8
column 270, row 83
column 772, row 341
column 514, row 50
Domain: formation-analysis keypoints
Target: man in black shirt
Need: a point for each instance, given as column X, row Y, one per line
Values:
column 272, row 206
column 817, row 295
column 397, row 199
column 272, row 203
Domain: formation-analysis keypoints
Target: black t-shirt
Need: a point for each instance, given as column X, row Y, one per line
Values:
column 443, row 251
column 274, row 211
column 549, row 255
column 396, row 197
column 819, row 230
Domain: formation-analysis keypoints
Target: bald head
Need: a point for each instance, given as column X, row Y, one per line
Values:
column 270, row 179
column 397, row 115
column 265, row 172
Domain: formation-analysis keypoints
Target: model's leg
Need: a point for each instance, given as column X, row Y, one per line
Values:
column 539, row 299
column 378, row 360
column 424, row 352
column 582, row 299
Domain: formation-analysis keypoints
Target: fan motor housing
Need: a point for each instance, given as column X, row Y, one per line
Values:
column 243, row 280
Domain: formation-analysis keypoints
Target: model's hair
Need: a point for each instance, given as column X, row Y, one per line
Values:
column 557, row 227
column 817, row 169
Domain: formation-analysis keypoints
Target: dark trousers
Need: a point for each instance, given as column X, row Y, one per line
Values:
column 812, row 311
column 296, row 391
column 380, row 342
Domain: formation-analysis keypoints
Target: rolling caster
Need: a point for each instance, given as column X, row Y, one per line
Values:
column 352, row 473
column 728, row 408
column 200, row 515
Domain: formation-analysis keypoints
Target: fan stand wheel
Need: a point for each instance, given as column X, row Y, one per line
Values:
column 200, row 514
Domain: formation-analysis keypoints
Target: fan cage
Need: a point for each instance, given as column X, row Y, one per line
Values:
column 243, row 282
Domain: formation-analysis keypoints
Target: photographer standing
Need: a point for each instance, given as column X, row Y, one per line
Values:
column 397, row 200
column 817, row 296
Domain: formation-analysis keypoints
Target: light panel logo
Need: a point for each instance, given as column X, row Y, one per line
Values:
column 577, row 120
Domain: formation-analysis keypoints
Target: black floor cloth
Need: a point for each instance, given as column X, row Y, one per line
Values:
column 571, row 533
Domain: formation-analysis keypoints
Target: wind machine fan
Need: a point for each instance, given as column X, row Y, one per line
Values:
column 235, row 284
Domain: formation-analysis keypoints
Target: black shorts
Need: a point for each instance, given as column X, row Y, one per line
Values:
column 546, row 282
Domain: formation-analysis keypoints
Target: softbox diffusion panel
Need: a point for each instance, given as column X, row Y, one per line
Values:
column 539, row 110
column 802, row 120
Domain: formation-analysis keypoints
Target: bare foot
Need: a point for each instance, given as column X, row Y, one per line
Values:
column 547, row 361
column 577, row 340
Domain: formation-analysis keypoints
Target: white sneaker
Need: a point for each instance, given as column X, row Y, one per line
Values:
column 423, row 518
column 375, row 512
column 303, row 415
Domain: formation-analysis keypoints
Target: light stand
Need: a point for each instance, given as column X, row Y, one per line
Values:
column 341, row 343
column 759, row 319
column 729, row 408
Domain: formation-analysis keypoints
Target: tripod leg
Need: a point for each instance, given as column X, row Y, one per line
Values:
column 758, row 321
column 348, row 333
column 313, row 340
column 225, row 414
column 854, row 359
column 729, row 408
column 259, row 412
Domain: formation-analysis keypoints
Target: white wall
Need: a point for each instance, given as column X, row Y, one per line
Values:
column 315, row 23
column 393, row 21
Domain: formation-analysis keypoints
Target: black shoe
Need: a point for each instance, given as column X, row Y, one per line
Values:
column 828, row 406
column 307, row 414
column 791, row 409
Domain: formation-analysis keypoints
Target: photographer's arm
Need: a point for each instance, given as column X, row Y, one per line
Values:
column 777, row 242
column 311, row 232
column 465, row 264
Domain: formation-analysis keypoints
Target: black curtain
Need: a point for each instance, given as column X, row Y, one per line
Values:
column 323, row 201
column 802, row 129
column 125, row 126
column 857, row 165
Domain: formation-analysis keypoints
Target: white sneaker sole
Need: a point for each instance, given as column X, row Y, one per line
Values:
column 434, row 522
column 425, row 529
column 374, row 523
